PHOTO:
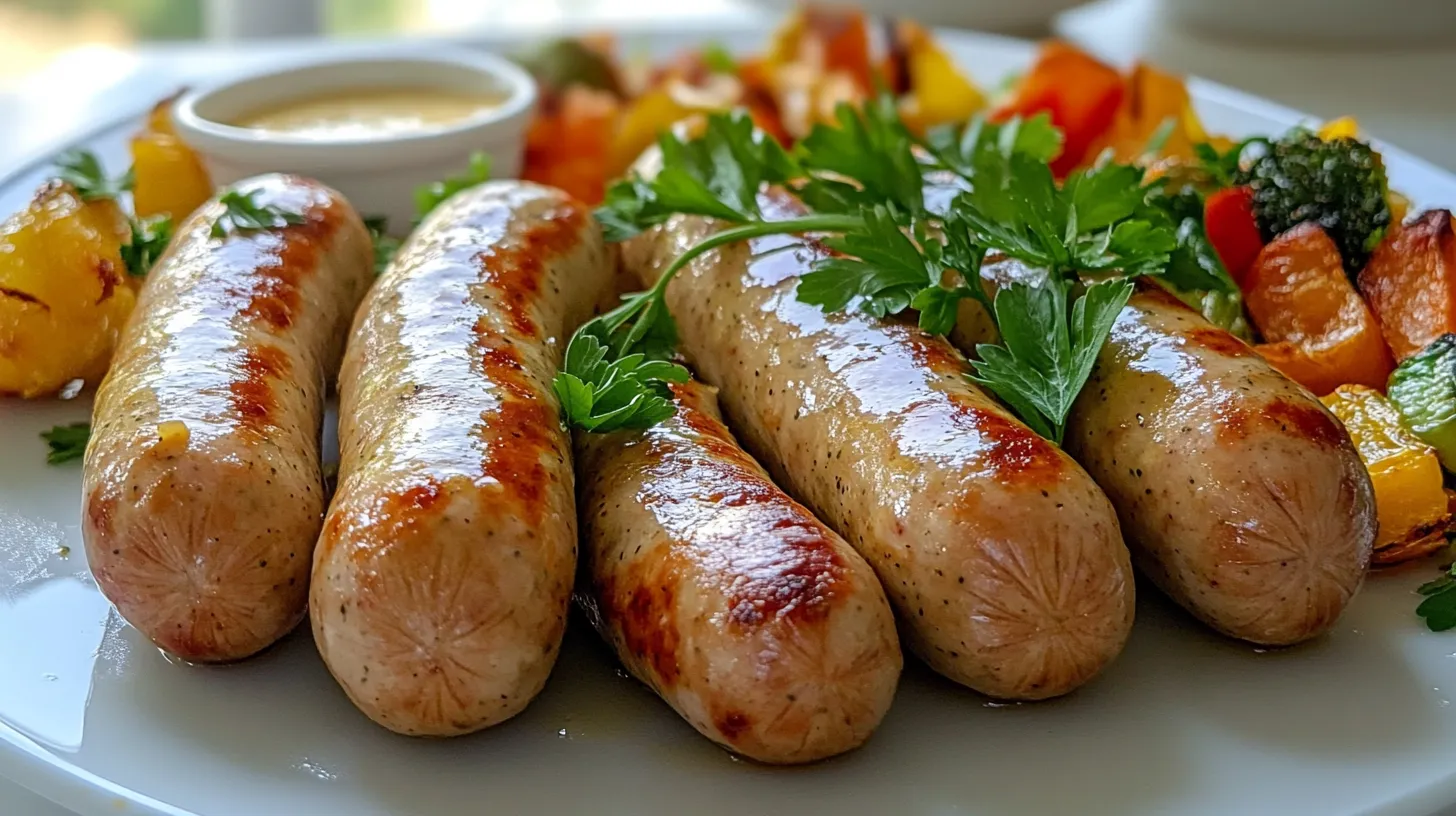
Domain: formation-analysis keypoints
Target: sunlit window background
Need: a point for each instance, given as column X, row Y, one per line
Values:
column 33, row 33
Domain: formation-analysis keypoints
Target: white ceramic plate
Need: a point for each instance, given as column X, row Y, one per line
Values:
column 1184, row 723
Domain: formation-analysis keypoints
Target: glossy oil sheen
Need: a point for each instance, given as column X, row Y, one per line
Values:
column 1185, row 723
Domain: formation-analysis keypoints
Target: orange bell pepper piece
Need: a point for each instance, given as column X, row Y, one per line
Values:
column 1322, row 333
column 1081, row 93
column 1228, row 218
column 570, row 144
column 1150, row 98
column 1410, row 282
column 170, row 177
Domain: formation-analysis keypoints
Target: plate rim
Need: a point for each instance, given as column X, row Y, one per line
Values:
column 51, row 776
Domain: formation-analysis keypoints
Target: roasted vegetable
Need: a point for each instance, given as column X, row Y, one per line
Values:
column 1423, row 389
column 938, row 92
column 1321, row 334
column 1410, row 283
column 170, row 178
column 1338, row 183
column 1410, row 500
column 558, row 64
column 1155, row 119
column 1081, row 94
column 64, row 291
column 569, row 144
column 1228, row 218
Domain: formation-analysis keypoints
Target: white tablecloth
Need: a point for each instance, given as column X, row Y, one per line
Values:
column 1401, row 97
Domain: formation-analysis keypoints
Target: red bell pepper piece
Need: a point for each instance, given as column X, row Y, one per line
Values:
column 1081, row 94
column 1228, row 218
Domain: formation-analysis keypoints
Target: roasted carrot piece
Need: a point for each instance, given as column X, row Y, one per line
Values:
column 1081, row 93
column 1410, row 283
column 1228, row 218
column 1323, row 334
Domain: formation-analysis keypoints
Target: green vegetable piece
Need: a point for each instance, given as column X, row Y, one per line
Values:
column 432, row 195
column 82, row 170
column 1423, row 389
column 1339, row 184
column 564, row 62
column 1439, row 607
column 385, row 245
column 149, row 239
column 67, row 442
column 243, row 213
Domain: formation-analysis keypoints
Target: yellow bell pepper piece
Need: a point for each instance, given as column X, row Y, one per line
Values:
column 1410, row 502
column 939, row 92
column 170, row 177
column 1346, row 127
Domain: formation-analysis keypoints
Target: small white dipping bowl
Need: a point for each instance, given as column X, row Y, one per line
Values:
column 378, row 174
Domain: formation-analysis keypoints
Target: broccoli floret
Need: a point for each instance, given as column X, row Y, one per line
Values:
column 1339, row 184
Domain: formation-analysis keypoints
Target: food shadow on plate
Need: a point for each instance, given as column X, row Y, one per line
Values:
column 1284, row 697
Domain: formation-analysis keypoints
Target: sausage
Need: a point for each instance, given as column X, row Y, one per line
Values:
column 203, row 492
column 754, row 621
column 1000, row 555
column 1241, row 495
column 443, row 574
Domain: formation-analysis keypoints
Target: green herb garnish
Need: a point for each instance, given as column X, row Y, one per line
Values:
column 432, row 195
column 385, row 245
column 1439, row 607
column 243, row 213
column 82, row 170
column 862, row 185
column 67, row 442
column 149, row 239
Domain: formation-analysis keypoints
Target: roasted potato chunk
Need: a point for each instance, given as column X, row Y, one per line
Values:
column 64, row 291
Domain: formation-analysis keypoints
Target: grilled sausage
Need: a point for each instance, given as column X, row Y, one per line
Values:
column 443, row 574
column 203, row 494
column 999, row 553
column 1241, row 495
column 754, row 621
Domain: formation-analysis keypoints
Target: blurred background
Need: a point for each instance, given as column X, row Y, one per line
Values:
column 67, row 63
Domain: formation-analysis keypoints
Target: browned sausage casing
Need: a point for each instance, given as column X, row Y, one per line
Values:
column 754, row 621
column 203, row 492
column 999, row 553
column 1241, row 495
column 442, row 578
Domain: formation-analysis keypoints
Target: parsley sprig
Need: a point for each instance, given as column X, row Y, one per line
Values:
column 82, row 170
column 66, row 442
column 242, row 213
column 149, row 239
column 1439, row 607
column 862, row 183
column 432, row 195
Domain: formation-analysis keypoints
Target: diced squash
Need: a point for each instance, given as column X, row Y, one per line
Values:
column 1410, row 501
column 938, row 92
column 1081, row 93
column 1151, row 97
column 170, row 177
column 1423, row 389
column 1321, row 332
column 64, row 291
column 1410, row 283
